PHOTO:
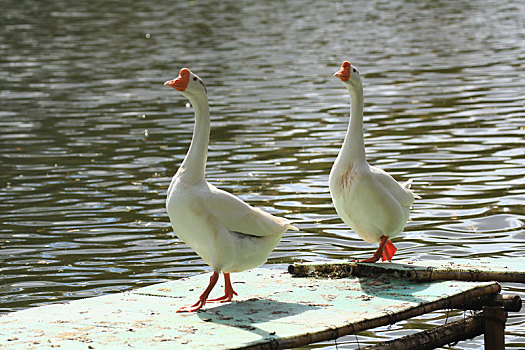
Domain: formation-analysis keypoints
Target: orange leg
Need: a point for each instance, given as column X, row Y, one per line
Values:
column 389, row 251
column 202, row 299
column 385, row 251
column 228, row 291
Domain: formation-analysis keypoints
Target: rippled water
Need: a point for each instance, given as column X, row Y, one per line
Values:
column 90, row 137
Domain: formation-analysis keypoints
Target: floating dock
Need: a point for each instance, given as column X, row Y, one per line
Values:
column 273, row 310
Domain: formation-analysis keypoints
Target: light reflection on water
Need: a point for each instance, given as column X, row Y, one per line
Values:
column 90, row 137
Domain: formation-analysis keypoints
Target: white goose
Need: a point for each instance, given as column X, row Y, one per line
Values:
column 366, row 198
column 228, row 234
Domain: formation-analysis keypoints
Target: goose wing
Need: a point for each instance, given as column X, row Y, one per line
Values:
column 239, row 216
column 401, row 193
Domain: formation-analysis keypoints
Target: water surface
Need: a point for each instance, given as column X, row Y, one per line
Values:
column 90, row 137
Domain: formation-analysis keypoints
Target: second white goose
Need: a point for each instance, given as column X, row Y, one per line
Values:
column 366, row 198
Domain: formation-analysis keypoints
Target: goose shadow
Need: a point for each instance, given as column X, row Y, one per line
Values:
column 386, row 287
column 247, row 314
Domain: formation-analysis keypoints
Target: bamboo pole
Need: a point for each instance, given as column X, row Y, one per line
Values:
column 402, row 271
column 510, row 302
column 436, row 337
column 388, row 318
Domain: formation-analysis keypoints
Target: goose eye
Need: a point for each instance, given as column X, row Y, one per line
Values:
column 354, row 70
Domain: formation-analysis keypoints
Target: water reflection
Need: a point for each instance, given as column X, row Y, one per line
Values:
column 90, row 137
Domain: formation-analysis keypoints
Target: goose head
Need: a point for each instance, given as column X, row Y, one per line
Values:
column 187, row 83
column 349, row 75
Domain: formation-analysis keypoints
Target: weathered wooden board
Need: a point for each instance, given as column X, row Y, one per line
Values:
column 484, row 269
column 273, row 310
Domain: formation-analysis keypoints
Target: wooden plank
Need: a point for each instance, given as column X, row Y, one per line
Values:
column 273, row 310
column 485, row 269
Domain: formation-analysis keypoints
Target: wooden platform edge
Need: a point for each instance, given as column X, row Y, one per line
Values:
column 436, row 337
column 334, row 333
column 490, row 322
column 401, row 271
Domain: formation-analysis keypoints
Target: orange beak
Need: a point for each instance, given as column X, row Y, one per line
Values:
column 344, row 72
column 181, row 82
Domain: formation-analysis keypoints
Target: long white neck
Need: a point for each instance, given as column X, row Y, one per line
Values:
column 353, row 149
column 193, row 167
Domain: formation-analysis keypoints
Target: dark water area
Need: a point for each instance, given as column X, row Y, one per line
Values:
column 90, row 137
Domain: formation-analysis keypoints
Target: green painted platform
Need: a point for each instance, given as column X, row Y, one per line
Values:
column 273, row 310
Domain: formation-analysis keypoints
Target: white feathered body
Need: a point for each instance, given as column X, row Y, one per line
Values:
column 228, row 234
column 369, row 200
